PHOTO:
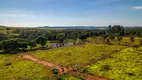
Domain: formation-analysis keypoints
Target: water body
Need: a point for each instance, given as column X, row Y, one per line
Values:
column 55, row 45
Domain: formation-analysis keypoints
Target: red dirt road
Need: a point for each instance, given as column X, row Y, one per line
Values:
column 61, row 69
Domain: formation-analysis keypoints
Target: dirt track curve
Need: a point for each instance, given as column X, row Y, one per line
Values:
column 61, row 69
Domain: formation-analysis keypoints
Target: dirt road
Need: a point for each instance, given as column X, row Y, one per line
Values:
column 61, row 69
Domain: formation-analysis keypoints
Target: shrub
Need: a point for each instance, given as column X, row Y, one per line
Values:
column 132, row 39
column 55, row 71
column 105, row 67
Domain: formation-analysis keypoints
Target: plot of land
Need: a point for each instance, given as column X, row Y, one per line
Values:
column 123, row 64
column 14, row 68
column 79, row 54
column 126, row 65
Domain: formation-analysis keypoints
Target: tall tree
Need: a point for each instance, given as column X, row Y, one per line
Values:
column 119, row 38
column 117, row 29
column 132, row 39
column 32, row 44
column 10, row 45
column 41, row 41
column 109, row 27
column 61, row 37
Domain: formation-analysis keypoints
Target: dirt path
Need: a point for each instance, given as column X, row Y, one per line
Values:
column 45, row 63
column 61, row 69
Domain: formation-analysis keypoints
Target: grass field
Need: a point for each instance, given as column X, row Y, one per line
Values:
column 127, row 39
column 14, row 68
column 4, row 31
column 126, row 65
column 68, row 77
column 75, row 54
column 123, row 41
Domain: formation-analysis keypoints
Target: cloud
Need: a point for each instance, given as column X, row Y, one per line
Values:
column 15, row 15
column 101, row 2
column 137, row 7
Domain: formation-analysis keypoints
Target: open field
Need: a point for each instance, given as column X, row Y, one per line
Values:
column 125, row 65
column 125, row 40
column 14, row 68
column 78, row 54
column 129, row 67
column 33, row 54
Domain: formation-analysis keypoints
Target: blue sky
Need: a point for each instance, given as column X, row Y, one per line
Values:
column 32, row 13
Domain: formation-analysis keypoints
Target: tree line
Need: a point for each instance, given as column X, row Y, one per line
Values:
column 31, row 37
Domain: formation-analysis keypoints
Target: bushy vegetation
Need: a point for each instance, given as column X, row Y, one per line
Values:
column 41, row 36
column 90, row 46
column 125, row 65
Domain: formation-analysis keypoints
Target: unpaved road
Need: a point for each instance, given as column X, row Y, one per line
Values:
column 45, row 63
column 61, row 69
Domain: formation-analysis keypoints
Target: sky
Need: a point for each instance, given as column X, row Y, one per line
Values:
column 33, row 13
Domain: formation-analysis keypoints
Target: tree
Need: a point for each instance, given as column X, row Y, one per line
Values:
column 2, row 37
column 61, row 37
column 55, row 71
column 140, row 42
column 82, row 36
column 119, row 38
column 107, row 41
column 0, row 46
column 41, row 41
column 16, row 31
column 121, row 33
column 105, row 37
column 117, row 29
column 109, row 27
column 7, row 28
column 10, row 45
column 132, row 38
column 138, row 34
column 32, row 44
column 111, row 37
column 74, row 36
column 23, row 45
column 51, row 37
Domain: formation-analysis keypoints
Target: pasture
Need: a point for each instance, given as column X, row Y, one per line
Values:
column 124, row 41
column 78, row 54
column 92, row 54
column 14, row 68
column 125, row 65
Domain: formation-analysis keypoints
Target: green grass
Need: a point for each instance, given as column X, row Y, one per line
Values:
column 68, row 77
column 127, row 39
column 14, row 68
column 126, row 65
column 3, row 31
column 75, row 54
column 123, row 41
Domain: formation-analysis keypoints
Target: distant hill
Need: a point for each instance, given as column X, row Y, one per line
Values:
column 2, row 26
column 44, row 27
column 75, row 27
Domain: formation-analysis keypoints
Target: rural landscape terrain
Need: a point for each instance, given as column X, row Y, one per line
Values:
column 70, row 39
column 110, row 53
